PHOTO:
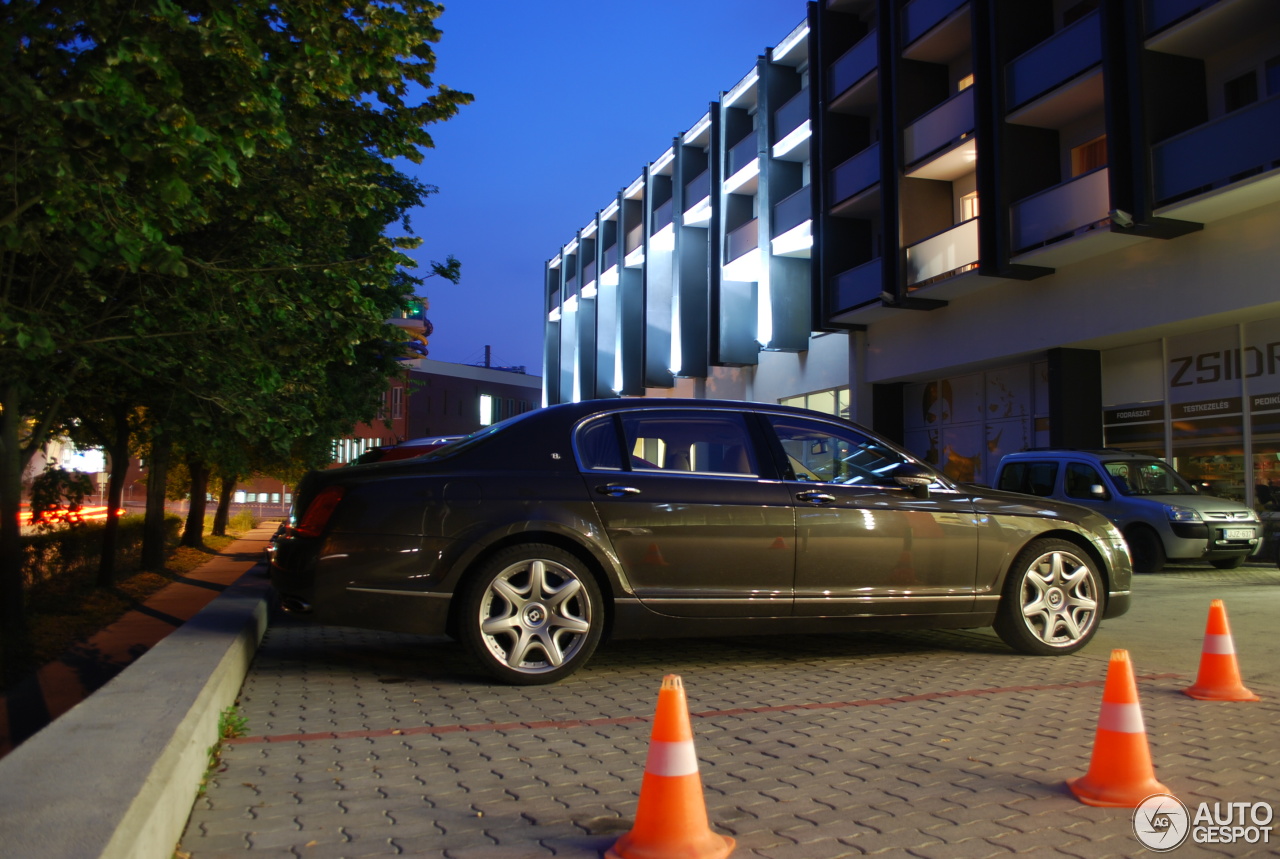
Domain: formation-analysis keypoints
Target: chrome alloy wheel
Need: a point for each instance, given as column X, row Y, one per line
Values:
column 535, row 616
column 1059, row 598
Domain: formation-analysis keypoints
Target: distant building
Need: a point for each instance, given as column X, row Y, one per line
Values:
column 977, row 226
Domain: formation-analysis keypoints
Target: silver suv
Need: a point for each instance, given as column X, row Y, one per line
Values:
column 1160, row 513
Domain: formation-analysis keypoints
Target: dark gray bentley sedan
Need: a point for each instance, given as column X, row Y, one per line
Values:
column 531, row 539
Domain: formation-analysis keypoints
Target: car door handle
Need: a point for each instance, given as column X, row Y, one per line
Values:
column 617, row 490
column 813, row 496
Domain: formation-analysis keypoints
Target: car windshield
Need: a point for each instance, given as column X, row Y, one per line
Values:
column 1147, row 477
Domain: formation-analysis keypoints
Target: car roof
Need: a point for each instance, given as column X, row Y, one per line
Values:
column 1104, row 454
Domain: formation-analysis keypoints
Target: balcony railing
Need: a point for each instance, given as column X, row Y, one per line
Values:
column 1064, row 55
column 858, row 286
column 635, row 236
column 571, row 286
column 742, row 153
column 661, row 217
column 1061, row 210
column 943, row 124
column 698, row 189
column 744, row 239
column 792, row 211
column 921, row 15
column 555, row 298
column 854, row 64
column 610, row 256
column 1217, row 152
column 1162, row 13
column 949, row 252
column 589, row 272
column 857, row 174
column 791, row 115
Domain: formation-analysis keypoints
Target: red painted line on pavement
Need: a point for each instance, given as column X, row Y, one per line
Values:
column 708, row 714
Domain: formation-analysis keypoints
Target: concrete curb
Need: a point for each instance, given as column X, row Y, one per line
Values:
column 116, row 776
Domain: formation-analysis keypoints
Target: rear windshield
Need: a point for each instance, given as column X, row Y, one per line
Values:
column 1147, row 477
column 477, row 437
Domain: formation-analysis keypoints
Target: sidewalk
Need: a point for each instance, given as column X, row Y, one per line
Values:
column 89, row 664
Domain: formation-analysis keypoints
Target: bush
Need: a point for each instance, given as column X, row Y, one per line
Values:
column 243, row 520
column 76, row 551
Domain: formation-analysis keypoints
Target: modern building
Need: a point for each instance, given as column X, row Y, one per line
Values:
column 976, row 225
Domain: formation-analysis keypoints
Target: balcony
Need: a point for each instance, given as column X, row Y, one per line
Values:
column 555, row 298
column 791, row 115
column 589, row 273
column 1225, row 150
column 1060, row 211
column 921, row 16
column 792, row 211
column 743, row 240
column 698, row 189
column 945, row 124
column 741, row 154
column 1066, row 54
column 661, row 217
column 1162, row 13
column 950, row 252
column 854, row 65
column 635, row 236
column 857, row 286
column 571, row 287
column 610, row 256
column 857, row 174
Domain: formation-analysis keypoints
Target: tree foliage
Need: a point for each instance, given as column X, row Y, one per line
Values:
column 198, row 208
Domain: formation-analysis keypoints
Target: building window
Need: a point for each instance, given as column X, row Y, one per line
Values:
column 1273, row 76
column 397, row 403
column 964, row 83
column 486, row 410
column 1078, row 11
column 1089, row 156
column 833, row 402
column 1240, row 92
column 969, row 206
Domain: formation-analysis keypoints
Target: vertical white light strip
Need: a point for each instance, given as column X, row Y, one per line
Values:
column 677, row 356
column 764, row 307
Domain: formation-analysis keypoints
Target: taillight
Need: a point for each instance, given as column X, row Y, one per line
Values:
column 317, row 515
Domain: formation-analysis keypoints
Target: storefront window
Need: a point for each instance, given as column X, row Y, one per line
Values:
column 834, row 402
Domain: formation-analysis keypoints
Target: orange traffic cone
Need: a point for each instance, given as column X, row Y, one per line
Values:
column 1120, row 773
column 671, row 818
column 1219, row 677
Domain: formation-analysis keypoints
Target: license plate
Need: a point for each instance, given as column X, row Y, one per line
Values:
column 1238, row 534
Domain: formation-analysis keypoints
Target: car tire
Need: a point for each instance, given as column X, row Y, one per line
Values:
column 1146, row 549
column 531, row 614
column 1053, row 599
column 1230, row 563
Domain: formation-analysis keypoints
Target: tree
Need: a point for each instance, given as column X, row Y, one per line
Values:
column 135, row 137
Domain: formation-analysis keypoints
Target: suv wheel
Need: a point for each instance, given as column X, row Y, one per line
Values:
column 1052, row 601
column 1147, row 550
column 531, row 614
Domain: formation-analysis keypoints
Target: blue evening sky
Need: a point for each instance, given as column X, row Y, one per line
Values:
column 572, row 99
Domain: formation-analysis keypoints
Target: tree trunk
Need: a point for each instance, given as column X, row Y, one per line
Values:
column 193, row 533
column 224, row 504
column 13, row 619
column 118, row 463
column 154, row 549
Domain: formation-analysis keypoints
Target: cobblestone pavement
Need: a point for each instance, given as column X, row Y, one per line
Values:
column 811, row 747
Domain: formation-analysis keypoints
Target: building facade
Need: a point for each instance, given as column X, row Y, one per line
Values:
column 976, row 225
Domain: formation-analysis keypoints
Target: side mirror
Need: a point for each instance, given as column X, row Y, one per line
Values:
column 914, row 477
column 1098, row 491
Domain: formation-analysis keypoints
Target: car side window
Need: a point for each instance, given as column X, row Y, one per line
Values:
column 674, row 442
column 597, row 444
column 825, row 453
column 1029, row 478
column 1079, row 480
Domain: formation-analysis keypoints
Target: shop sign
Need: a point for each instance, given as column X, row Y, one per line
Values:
column 1207, row 408
column 1264, row 402
column 1138, row 413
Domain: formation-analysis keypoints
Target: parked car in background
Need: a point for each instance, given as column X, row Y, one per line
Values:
column 1161, row 514
column 405, row 449
column 532, row 539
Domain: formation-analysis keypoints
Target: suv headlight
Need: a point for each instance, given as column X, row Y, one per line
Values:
column 1181, row 514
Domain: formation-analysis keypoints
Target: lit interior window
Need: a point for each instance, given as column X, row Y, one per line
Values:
column 486, row 410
